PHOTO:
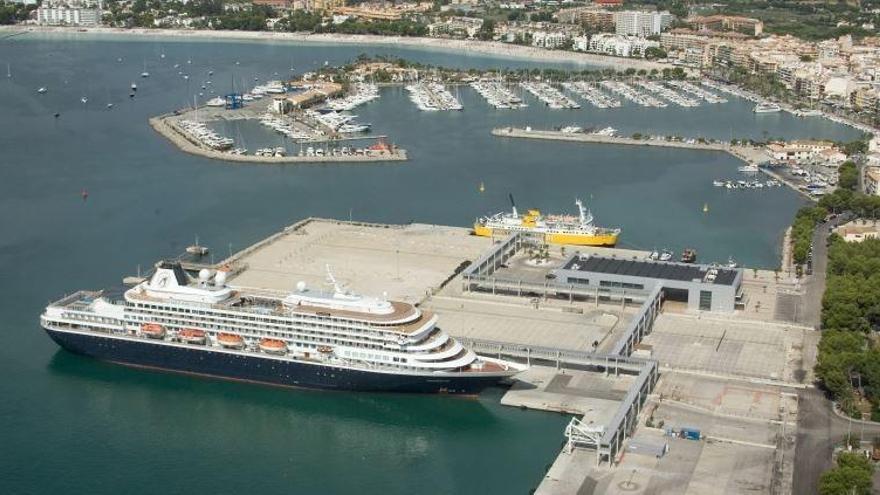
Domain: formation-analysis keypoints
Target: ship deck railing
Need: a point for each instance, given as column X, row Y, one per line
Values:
column 69, row 300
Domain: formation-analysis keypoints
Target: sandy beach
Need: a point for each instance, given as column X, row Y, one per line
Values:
column 469, row 47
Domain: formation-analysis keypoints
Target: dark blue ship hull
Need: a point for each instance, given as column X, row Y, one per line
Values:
column 203, row 361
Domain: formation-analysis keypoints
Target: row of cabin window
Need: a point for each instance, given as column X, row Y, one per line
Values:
column 211, row 317
column 224, row 324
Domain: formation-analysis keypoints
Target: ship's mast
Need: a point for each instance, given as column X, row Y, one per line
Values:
column 513, row 205
column 585, row 216
column 332, row 280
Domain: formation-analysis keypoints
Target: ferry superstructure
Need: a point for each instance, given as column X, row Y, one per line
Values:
column 305, row 338
column 556, row 229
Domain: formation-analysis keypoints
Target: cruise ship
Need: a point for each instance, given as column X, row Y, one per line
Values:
column 556, row 229
column 195, row 322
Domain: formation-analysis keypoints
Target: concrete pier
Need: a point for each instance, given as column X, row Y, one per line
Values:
column 163, row 126
column 598, row 359
column 748, row 154
column 751, row 155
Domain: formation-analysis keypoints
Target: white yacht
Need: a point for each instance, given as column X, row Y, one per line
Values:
column 767, row 107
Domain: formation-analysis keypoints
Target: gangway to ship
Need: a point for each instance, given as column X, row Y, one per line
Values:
column 580, row 433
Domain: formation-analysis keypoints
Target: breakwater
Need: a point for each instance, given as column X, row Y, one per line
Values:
column 163, row 126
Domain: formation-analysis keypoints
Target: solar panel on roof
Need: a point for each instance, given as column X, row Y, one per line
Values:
column 648, row 269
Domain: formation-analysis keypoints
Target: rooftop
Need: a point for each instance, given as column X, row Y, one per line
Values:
column 661, row 270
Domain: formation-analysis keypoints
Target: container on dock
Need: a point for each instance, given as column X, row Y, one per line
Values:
column 690, row 433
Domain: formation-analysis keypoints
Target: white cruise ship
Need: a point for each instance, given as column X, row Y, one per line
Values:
column 305, row 338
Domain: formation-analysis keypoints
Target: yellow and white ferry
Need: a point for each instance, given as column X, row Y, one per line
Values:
column 556, row 229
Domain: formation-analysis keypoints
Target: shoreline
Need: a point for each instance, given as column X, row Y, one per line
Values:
column 466, row 47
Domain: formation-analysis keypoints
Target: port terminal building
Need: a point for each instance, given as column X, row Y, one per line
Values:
column 702, row 287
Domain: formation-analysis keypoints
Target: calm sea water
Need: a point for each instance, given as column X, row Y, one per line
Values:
column 72, row 424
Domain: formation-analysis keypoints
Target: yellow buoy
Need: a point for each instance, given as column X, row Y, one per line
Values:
column 482, row 187
column 705, row 207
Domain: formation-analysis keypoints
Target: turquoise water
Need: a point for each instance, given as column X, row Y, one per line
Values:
column 69, row 424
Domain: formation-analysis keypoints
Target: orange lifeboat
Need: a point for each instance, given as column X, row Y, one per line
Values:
column 153, row 330
column 230, row 340
column 192, row 336
column 273, row 346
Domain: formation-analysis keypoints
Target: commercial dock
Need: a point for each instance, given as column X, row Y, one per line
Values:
column 636, row 350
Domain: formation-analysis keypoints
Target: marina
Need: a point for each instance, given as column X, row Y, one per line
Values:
column 432, row 97
column 195, row 138
column 550, row 96
column 668, row 94
column 147, row 192
column 497, row 94
column 628, row 92
column 592, row 94
column 697, row 91
column 362, row 94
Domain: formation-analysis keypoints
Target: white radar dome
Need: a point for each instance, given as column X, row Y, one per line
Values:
column 301, row 286
column 220, row 278
column 204, row 275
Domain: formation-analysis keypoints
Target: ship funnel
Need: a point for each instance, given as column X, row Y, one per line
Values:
column 512, row 204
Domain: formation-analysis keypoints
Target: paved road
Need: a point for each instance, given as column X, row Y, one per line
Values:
column 819, row 429
column 814, row 286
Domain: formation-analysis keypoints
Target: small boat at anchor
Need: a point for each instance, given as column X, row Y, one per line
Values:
column 197, row 249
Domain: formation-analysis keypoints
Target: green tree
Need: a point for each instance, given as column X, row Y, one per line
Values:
column 487, row 30
column 653, row 52
column 848, row 176
column 852, row 475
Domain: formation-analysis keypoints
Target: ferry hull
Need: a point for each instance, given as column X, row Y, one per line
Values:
column 608, row 240
column 237, row 366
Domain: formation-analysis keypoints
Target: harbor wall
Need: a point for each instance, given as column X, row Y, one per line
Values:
column 160, row 124
column 749, row 154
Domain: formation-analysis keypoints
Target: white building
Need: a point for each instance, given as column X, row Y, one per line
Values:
column 69, row 14
column 620, row 45
column 798, row 150
column 637, row 23
column 581, row 43
column 544, row 39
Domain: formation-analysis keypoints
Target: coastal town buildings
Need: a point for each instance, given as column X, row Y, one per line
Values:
column 636, row 23
column 375, row 11
column 872, row 181
column 455, row 27
column 590, row 17
column 800, row 150
column 86, row 13
column 619, row 45
column 746, row 25
column 858, row 230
